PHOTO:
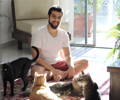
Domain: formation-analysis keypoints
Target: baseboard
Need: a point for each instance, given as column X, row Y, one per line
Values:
column 7, row 43
column 14, row 42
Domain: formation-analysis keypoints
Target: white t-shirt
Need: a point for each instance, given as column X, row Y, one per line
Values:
column 49, row 45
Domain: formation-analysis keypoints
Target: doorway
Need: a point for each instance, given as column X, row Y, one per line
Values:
column 92, row 22
column 106, row 19
column 84, row 23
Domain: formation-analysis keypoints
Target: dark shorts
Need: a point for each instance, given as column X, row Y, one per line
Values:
column 62, row 65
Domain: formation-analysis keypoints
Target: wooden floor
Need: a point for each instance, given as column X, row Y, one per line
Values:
column 96, row 57
column 98, row 62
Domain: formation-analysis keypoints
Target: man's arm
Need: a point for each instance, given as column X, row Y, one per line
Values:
column 67, row 56
column 68, row 59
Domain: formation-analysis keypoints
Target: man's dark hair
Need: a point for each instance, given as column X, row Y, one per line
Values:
column 55, row 8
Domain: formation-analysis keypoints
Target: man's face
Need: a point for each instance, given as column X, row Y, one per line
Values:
column 54, row 19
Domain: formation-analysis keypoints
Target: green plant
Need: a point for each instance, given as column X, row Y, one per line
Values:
column 117, row 7
column 79, row 6
column 115, row 32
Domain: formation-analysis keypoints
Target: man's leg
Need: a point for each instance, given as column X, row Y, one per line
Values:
column 79, row 66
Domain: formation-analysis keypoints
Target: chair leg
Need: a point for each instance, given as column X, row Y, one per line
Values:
column 19, row 45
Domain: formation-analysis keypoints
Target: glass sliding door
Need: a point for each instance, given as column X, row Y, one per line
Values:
column 106, row 18
column 84, row 23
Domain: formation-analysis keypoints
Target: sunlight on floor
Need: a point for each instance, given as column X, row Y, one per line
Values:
column 98, row 70
column 97, row 64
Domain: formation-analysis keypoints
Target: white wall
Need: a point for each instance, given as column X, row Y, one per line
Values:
column 6, row 18
column 68, row 7
column 5, row 21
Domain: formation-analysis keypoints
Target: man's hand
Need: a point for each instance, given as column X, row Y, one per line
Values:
column 58, row 74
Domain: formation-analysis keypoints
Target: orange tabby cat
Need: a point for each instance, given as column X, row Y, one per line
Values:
column 40, row 90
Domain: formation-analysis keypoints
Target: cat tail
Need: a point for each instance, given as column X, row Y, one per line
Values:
column 37, row 52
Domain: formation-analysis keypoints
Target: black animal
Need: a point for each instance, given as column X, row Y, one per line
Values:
column 17, row 69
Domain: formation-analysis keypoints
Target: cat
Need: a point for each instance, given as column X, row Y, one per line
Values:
column 80, row 86
column 84, row 83
column 17, row 69
column 41, row 90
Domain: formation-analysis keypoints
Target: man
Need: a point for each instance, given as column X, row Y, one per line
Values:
column 53, row 41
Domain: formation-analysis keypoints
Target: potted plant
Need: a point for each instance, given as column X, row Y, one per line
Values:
column 79, row 16
column 115, row 32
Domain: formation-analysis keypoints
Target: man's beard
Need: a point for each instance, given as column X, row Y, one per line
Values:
column 54, row 27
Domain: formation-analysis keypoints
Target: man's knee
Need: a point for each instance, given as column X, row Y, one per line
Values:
column 81, row 65
column 83, row 61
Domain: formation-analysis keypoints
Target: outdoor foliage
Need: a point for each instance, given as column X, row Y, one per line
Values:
column 79, row 6
column 117, row 7
column 115, row 32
